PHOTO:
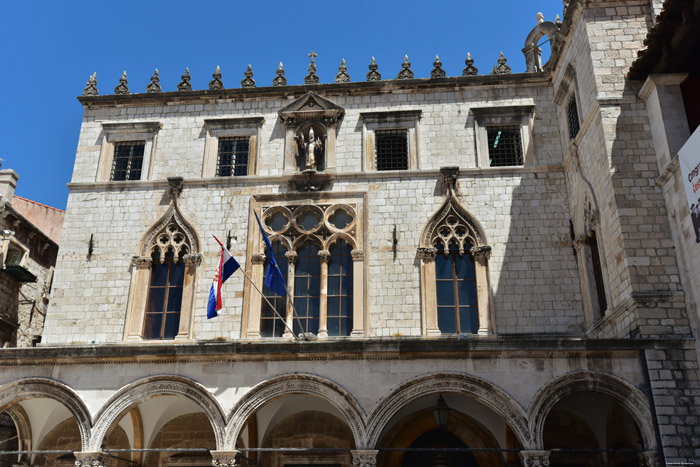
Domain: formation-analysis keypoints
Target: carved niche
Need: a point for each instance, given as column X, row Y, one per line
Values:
column 310, row 130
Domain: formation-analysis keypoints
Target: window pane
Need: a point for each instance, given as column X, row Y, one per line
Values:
column 346, row 285
column 301, row 305
column 152, row 327
column 443, row 267
column 156, row 300
column 277, row 221
column 468, row 320
column 172, row 323
column 315, row 284
column 308, row 219
column 346, row 326
column 159, row 274
column 465, row 266
column 467, row 293
column 447, row 320
column 333, row 327
column 333, row 285
column 333, row 306
column 233, row 156
column 340, row 219
column 505, row 147
column 174, row 299
column 335, row 265
column 445, row 293
column 177, row 273
column 391, row 148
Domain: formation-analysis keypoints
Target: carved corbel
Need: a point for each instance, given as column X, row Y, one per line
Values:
column 579, row 242
column 141, row 262
column 225, row 458
column 357, row 255
column 292, row 257
column 324, row 256
column 258, row 258
column 449, row 178
column 194, row 259
column 427, row 255
column 175, row 187
column 481, row 253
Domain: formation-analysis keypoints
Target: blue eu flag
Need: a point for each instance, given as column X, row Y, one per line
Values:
column 273, row 276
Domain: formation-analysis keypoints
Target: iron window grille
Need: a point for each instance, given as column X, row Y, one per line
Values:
column 391, row 147
column 505, row 146
column 128, row 160
column 233, row 156
column 572, row 117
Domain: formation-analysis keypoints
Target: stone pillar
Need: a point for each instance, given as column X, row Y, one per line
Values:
column 192, row 262
column 364, row 458
column 224, row 458
column 292, row 258
column 90, row 459
column 428, row 292
column 535, row 458
column 325, row 257
column 253, row 331
column 140, row 276
column 358, row 296
column 8, row 183
column 481, row 255
column 649, row 459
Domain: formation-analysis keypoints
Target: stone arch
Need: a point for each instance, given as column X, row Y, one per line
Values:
column 631, row 398
column 452, row 207
column 171, row 224
column 340, row 236
column 146, row 388
column 30, row 388
column 464, row 384
column 533, row 57
column 297, row 383
column 303, row 238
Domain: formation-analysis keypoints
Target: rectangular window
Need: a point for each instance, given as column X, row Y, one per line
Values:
column 128, row 160
column 391, row 149
column 233, row 156
column 505, row 146
column 572, row 117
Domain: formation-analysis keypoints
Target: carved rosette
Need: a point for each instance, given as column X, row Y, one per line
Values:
column 406, row 72
column 364, row 458
column 470, row 69
column 89, row 459
column 373, row 74
column 91, row 86
column 216, row 83
column 280, row 79
column 185, row 84
column 248, row 81
column 437, row 71
column 535, row 458
column 342, row 76
column 502, row 68
column 122, row 87
column 153, row 86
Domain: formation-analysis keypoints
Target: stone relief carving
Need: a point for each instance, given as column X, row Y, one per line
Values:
column 364, row 458
column 216, row 83
column 310, row 148
column 280, row 79
column 342, row 76
column 248, row 81
column 185, row 84
column 89, row 459
column 91, row 86
column 153, row 86
column 451, row 224
column 171, row 233
column 122, row 87
column 312, row 78
column 535, row 458
column 373, row 74
column 470, row 69
column 437, row 71
column 502, row 68
column 406, row 72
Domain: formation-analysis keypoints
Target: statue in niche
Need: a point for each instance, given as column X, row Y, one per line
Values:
column 310, row 150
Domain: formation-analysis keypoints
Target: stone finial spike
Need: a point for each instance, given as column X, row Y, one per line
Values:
column 312, row 78
column 470, row 69
column 153, row 86
column 342, row 76
column 216, row 83
column 248, row 81
column 91, row 86
column 502, row 68
column 557, row 19
column 280, row 79
column 373, row 74
column 540, row 17
column 122, row 87
column 185, row 84
column 406, row 72
column 437, row 71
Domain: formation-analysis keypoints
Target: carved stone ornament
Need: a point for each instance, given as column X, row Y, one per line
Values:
column 502, row 68
column 364, row 458
column 122, row 87
column 195, row 259
column 280, row 79
column 373, row 74
column 216, row 83
column 449, row 177
column 89, row 459
column 437, row 71
column 427, row 254
column 153, row 86
column 342, row 76
column 535, row 458
column 225, row 458
column 452, row 224
column 470, row 69
column 310, row 180
column 141, row 262
column 171, row 233
column 185, row 84
column 175, row 187
column 248, row 81
column 91, row 86
column 312, row 78
column 406, row 72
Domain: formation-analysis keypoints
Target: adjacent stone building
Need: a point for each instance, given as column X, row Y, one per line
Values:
column 481, row 270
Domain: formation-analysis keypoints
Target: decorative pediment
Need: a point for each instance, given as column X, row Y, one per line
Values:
column 311, row 106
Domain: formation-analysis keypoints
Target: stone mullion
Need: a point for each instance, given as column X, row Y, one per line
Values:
column 481, row 255
column 428, row 290
column 192, row 261
column 253, row 331
column 140, row 281
column 324, row 256
column 292, row 259
column 358, row 278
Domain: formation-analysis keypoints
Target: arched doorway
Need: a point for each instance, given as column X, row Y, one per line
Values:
column 438, row 438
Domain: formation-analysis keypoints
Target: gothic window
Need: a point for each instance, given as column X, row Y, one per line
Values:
column 163, row 281
column 391, row 149
column 316, row 247
column 233, row 156
column 505, row 146
column 595, row 273
column 455, row 276
column 128, row 160
column 572, row 117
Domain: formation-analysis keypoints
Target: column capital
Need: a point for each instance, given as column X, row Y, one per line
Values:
column 357, row 255
column 141, row 262
column 364, row 458
column 325, row 256
column 481, row 253
column 194, row 259
column 292, row 257
column 224, row 458
column 579, row 243
column 535, row 458
column 649, row 459
column 90, row 459
column 258, row 258
column 427, row 254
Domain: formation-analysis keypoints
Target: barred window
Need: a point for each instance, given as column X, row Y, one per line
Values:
column 572, row 117
column 505, row 146
column 233, row 156
column 391, row 148
column 128, row 160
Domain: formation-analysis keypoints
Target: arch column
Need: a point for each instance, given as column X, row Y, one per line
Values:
column 192, row 262
column 140, row 274
column 535, row 458
column 428, row 291
column 358, row 299
column 292, row 259
column 253, row 331
column 481, row 255
column 325, row 257
column 364, row 458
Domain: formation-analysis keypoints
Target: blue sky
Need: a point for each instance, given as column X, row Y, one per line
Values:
column 50, row 48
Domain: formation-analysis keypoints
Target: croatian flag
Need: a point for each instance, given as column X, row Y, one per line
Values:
column 227, row 266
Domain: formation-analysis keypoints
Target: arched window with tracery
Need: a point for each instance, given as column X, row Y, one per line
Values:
column 455, row 290
column 163, row 281
column 307, row 288
column 339, row 319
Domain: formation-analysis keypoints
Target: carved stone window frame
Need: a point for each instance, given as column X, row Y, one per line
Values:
column 390, row 120
column 121, row 132
column 141, row 276
column 9, row 241
column 353, row 234
column 216, row 128
column 505, row 115
column 568, row 88
column 427, row 253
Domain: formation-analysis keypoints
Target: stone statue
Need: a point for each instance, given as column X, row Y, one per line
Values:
column 310, row 149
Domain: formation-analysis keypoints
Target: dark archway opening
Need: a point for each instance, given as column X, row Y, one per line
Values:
column 438, row 439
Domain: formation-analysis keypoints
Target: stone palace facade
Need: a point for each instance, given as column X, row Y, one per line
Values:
column 481, row 269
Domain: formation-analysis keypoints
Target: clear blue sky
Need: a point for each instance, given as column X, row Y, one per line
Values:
column 51, row 47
